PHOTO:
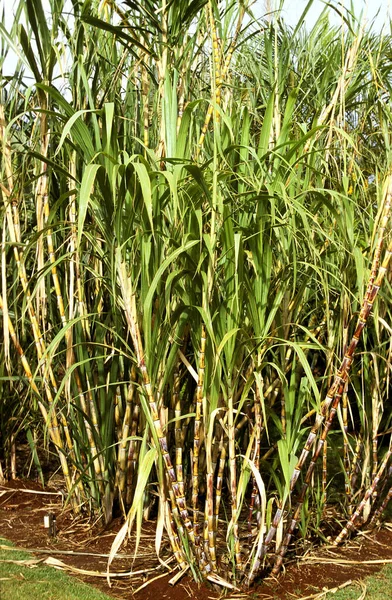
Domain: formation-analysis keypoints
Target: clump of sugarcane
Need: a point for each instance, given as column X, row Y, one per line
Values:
column 49, row 418
column 42, row 202
column 350, row 525
column 91, row 408
column 332, row 399
column 13, row 223
column 176, row 490
column 88, row 407
column 336, row 391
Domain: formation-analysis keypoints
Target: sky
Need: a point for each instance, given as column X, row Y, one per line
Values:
column 293, row 9
column 373, row 10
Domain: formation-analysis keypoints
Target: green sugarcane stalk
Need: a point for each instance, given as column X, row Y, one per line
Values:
column 196, row 435
column 121, row 469
column 219, row 76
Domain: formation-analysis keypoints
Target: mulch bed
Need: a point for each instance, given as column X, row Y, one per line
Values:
column 22, row 512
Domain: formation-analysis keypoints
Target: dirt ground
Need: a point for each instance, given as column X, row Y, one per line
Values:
column 81, row 546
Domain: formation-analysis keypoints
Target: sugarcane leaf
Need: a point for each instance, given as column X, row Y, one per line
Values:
column 144, row 474
column 5, row 35
column 80, row 130
column 265, row 133
column 86, row 190
column 29, row 54
column 145, row 184
column 118, row 32
column 68, row 127
column 158, row 275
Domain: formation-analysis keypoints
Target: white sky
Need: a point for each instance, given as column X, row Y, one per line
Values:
column 293, row 9
column 291, row 12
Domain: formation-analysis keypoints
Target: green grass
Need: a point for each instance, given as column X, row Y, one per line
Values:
column 19, row 582
column 378, row 587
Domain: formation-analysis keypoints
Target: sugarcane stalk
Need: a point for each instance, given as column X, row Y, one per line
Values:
column 13, row 455
column 196, row 436
column 233, row 480
column 217, row 53
column 117, row 412
column 219, row 75
column 175, row 516
column 40, row 216
column 211, row 510
column 209, row 532
column 162, row 66
column 256, row 460
column 92, row 411
column 133, row 451
column 176, row 401
column 219, row 480
column 121, row 468
column 346, row 447
column 324, row 472
column 174, row 540
column 350, row 525
column 146, row 111
column 255, row 568
column 354, row 470
column 217, row 78
column 381, row 509
column 375, row 421
column 74, row 267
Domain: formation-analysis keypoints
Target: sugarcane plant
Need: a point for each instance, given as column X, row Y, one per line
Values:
column 195, row 205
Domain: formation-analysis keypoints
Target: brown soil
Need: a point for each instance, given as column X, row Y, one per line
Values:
column 21, row 521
